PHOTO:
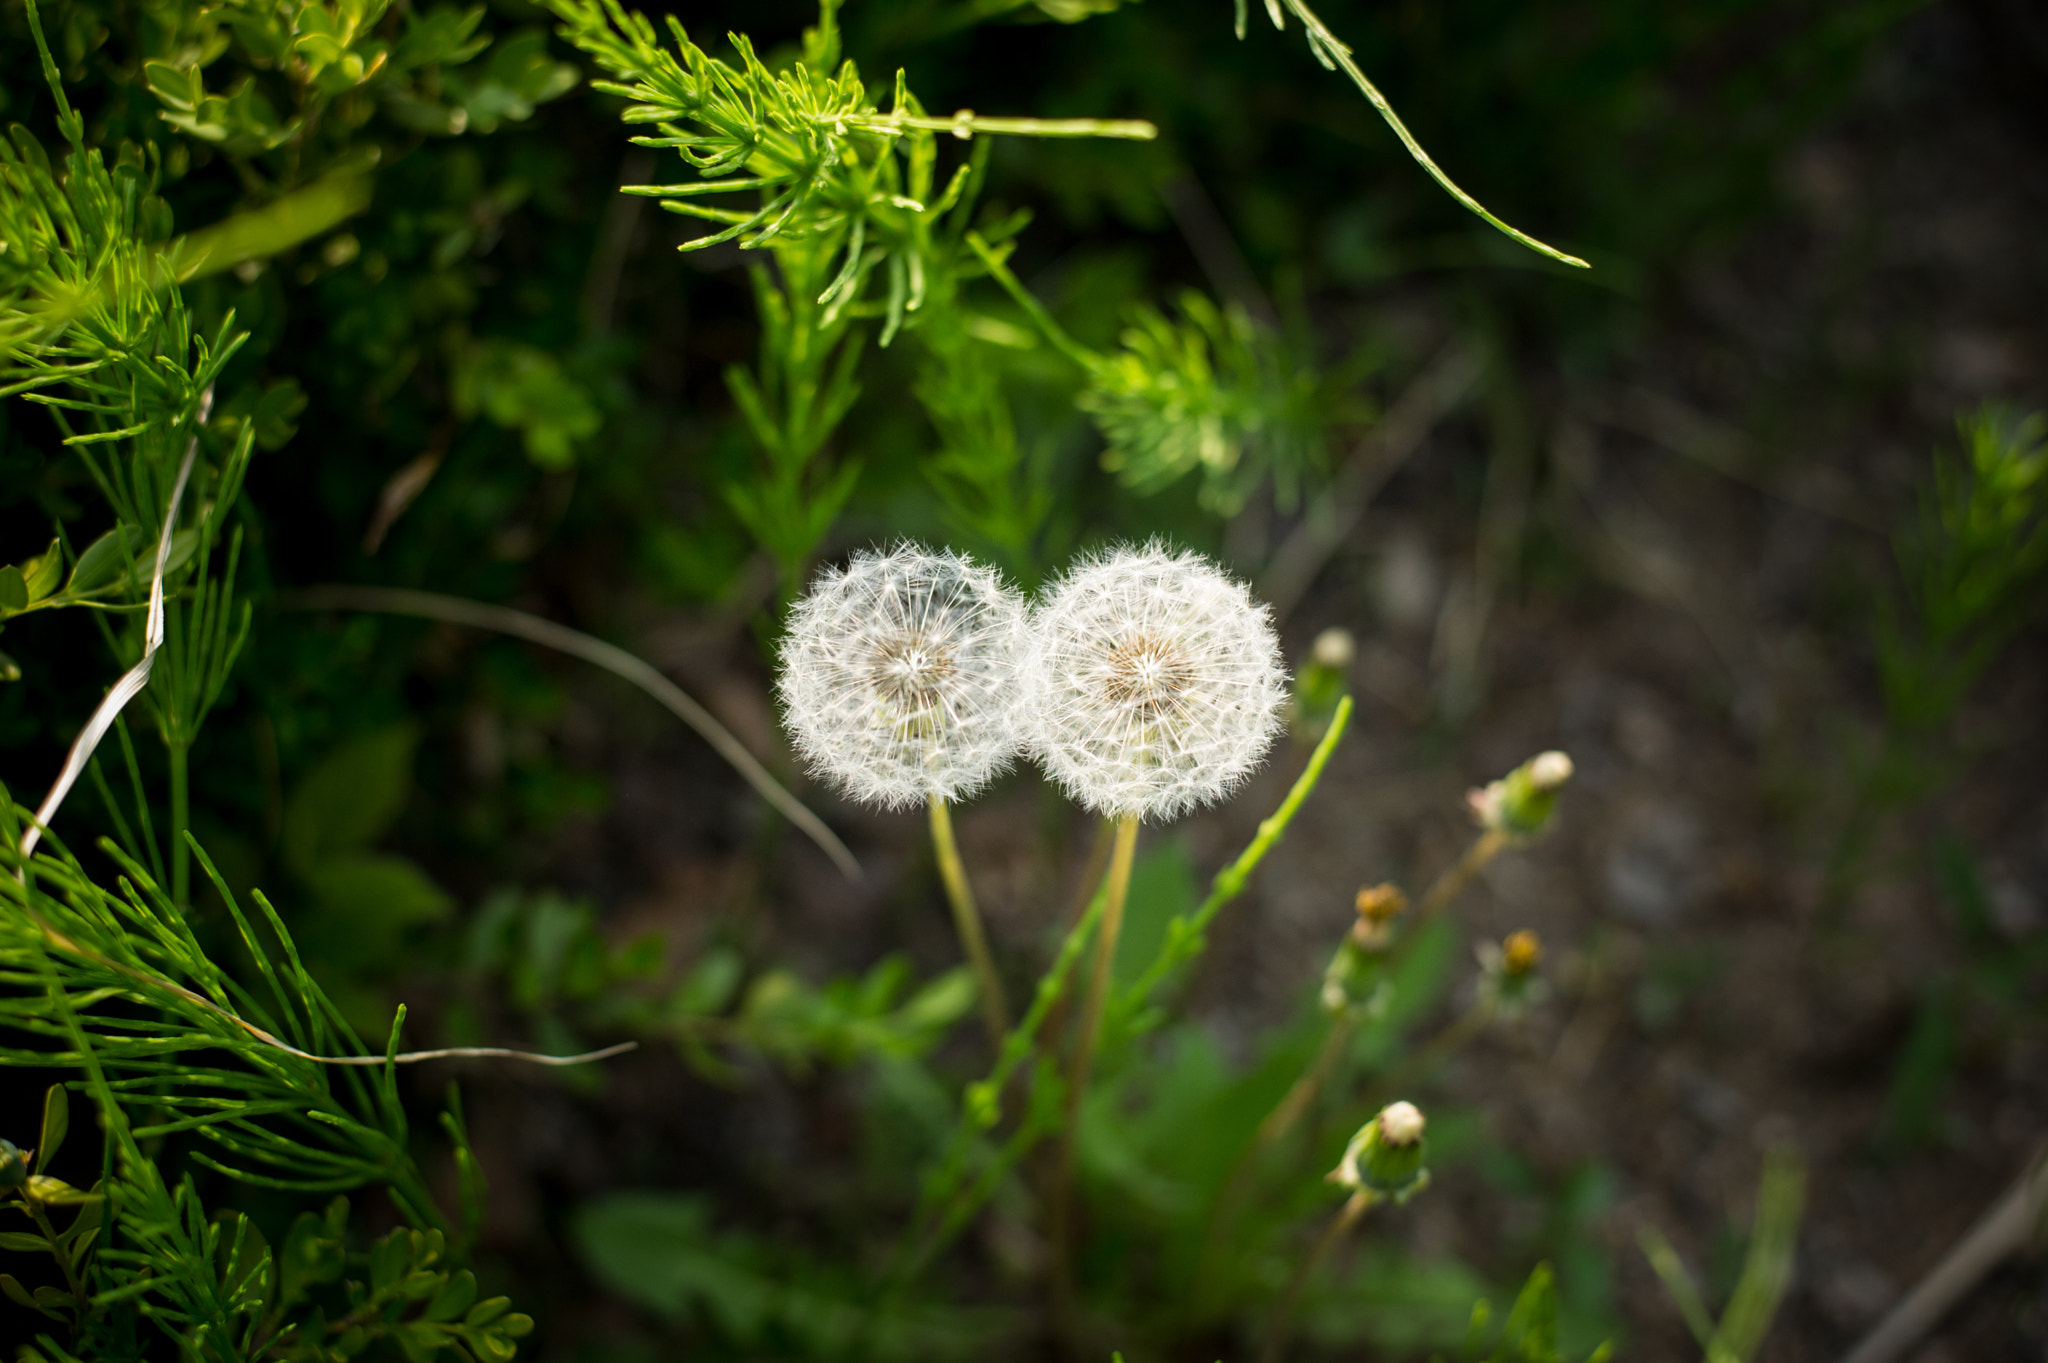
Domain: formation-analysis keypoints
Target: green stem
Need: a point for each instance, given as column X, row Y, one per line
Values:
column 181, row 855
column 1186, row 935
column 1451, row 883
column 967, row 920
column 1302, row 1094
column 1035, row 310
column 79, row 1295
column 1060, row 1219
column 1283, row 1316
column 1276, row 1125
column 1335, row 53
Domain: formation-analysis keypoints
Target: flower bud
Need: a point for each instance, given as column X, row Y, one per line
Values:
column 1386, row 1155
column 1322, row 682
column 1334, row 649
column 1354, row 984
column 1378, row 906
column 13, row 1165
column 1520, row 804
column 1509, row 981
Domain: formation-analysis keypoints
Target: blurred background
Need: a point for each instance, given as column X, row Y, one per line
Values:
column 1684, row 515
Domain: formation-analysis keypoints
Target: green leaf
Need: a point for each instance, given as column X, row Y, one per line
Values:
column 349, row 799
column 454, row 1299
column 13, row 590
column 21, row 1242
column 526, row 389
column 441, row 36
column 273, row 410
column 12, row 1289
column 710, row 985
column 368, row 904
column 519, row 75
column 101, row 565
column 42, row 573
column 56, row 1122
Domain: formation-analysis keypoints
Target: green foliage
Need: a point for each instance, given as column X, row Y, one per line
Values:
column 552, row 962
column 754, row 1296
column 376, row 238
column 1973, row 564
column 1529, row 1334
column 1766, row 1267
column 850, row 203
column 1216, row 394
column 174, row 1049
column 363, row 906
column 524, row 388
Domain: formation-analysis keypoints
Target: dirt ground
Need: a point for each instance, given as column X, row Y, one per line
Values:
column 1705, row 660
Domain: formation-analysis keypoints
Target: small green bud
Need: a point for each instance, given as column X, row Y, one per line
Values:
column 1386, row 1155
column 1520, row 804
column 1322, row 682
column 13, row 1165
column 1355, row 984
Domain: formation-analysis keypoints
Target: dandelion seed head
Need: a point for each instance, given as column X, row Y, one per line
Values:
column 900, row 675
column 1155, row 680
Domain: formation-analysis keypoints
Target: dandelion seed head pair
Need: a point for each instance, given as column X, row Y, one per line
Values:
column 1147, row 683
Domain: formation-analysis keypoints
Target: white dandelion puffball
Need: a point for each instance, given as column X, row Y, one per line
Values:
column 900, row 675
column 1155, row 680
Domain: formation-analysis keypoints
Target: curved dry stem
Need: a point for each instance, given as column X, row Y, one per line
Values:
column 613, row 659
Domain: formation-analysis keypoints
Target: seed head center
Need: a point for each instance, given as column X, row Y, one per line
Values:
column 1148, row 674
column 909, row 669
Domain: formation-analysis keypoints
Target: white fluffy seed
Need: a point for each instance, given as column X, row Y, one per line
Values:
column 901, row 675
column 1155, row 680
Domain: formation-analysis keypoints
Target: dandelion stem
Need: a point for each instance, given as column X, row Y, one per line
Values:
column 1290, row 1109
column 967, row 920
column 1117, row 889
column 1283, row 1315
column 1483, row 850
column 1301, row 1095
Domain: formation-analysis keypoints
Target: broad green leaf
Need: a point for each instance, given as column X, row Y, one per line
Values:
column 42, row 573
column 368, row 904
column 101, row 565
column 56, row 1122
column 349, row 799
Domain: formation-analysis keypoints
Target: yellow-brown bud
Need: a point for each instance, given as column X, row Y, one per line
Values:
column 1521, row 952
column 1378, row 904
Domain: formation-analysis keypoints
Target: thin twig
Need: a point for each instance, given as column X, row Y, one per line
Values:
column 2020, row 1214
column 478, row 615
